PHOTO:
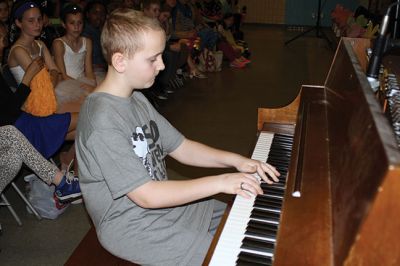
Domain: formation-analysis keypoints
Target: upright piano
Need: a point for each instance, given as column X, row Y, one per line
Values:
column 338, row 198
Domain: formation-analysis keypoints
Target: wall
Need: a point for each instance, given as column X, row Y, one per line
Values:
column 264, row 11
column 292, row 12
column 304, row 12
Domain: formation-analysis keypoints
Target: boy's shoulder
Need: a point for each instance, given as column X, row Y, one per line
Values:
column 97, row 109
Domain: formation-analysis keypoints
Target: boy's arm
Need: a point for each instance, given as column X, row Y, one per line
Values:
column 172, row 193
column 197, row 154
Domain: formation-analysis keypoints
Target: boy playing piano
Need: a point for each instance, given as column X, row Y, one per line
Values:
column 122, row 141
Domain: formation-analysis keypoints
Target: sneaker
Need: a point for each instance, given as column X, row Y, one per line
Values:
column 68, row 189
column 167, row 89
column 245, row 61
column 59, row 204
column 236, row 64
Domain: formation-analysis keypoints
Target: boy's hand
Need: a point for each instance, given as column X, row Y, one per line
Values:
column 253, row 166
column 240, row 184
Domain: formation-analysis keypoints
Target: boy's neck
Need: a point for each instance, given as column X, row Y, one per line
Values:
column 115, row 84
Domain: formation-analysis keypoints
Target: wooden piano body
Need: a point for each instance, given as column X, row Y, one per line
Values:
column 347, row 166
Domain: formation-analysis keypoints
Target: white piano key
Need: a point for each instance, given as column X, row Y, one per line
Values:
column 228, row 246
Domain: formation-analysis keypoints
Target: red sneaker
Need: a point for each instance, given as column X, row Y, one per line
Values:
column 236, row 64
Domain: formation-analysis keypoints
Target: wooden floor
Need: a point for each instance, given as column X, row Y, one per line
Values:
column 220, row 111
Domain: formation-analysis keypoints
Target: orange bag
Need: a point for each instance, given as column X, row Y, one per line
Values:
column 42, row 100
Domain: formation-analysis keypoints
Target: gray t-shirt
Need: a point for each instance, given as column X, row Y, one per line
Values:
column 121, row 144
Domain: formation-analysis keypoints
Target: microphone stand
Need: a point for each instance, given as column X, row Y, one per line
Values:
column 396, row 20
column 380, row 46
column 318, row 32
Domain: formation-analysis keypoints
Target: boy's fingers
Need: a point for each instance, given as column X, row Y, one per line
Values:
column 252, row 184
column 270, row 170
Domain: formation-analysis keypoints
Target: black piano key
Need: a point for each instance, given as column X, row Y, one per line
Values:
column 262, row 202
column 275, row 158
column 269, row 198
column 276, row 147
column 250, row 231
column 264, row 214
column 284, row 138
column 275, row 186
column 281, row 152
column 260, row 230
column 263, row 205
column 282, row 144
column 253, row 259
column 271, row 187
column 282, row 179
column 240, row 262
column 284, row 135
column 282, row 141
column 278, row 194
column 278, row 162
column 257, row 245
column 263, row 225
column 282, row 162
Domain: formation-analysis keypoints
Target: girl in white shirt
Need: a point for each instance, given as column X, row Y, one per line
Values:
column 73, row 52
column 73, row 56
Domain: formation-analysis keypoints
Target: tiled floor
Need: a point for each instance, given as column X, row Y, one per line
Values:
column 220, row 111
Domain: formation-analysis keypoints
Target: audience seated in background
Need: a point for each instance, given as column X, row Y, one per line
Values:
column 173, row 58
column 211, row 10
column 180, row 40
column 26, row 48
column 4, row 11
column 95, row 15
column 73, row 57
column 187, row 24
column 27, row 57
column 225, row 28
column 46, row 133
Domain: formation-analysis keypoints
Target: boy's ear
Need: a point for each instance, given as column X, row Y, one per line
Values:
column 118, row 61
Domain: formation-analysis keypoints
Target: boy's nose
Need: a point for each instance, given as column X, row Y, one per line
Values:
column 161, row 65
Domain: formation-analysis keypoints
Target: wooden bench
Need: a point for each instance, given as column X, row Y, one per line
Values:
column 90, row 252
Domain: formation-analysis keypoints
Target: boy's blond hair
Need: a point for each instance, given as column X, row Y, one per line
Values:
column 123, row 32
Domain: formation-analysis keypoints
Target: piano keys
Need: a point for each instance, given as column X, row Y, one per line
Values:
column 253, row 223
column 345, row 165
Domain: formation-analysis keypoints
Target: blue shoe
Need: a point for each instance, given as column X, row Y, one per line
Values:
column 68, row 189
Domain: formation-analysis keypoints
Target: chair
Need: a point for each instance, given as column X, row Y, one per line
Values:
column 6, row 203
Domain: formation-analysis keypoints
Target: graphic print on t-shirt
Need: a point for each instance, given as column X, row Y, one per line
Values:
column 146, row 146
column 140, row 147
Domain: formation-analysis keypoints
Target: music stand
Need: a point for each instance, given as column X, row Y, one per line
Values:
column 318, row 32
